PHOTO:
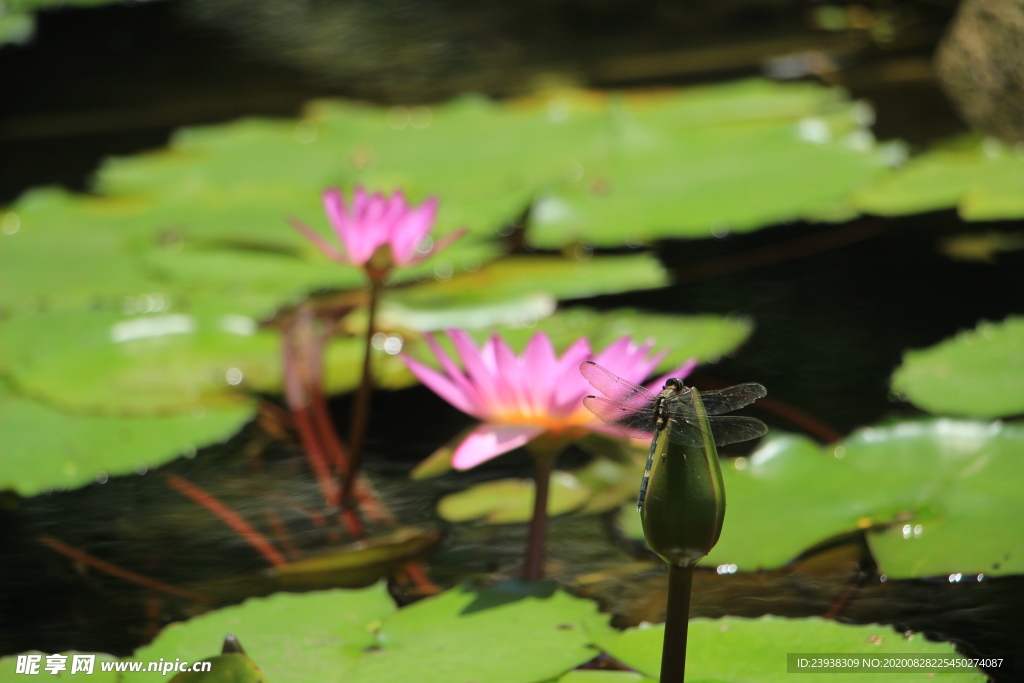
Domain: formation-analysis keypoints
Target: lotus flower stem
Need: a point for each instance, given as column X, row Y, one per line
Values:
column 545, row 452
column 361, row 408
column 677, row 620
column 533, row 566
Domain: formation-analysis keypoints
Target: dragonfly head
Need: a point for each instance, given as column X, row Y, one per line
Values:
column 674, row 384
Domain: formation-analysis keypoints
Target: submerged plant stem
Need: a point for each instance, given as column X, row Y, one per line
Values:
column 677, row 622
column 121, row 573
column 229, row 517
column 361, row 408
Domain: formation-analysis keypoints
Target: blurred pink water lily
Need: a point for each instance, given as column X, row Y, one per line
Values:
column 376, row 221
column 520, row 398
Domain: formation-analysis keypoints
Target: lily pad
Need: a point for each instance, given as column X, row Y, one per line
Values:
column 45, row 448
column 733, row 157
column 306, row 638
column 155, row 364
column 517, row 291
column 508, row 501
column 978, row 373
column 755, row 650
column 945, row 479
column 464, row 635
column 59, row 251
column 681, row 163
column 705, row 337
column 980, row 177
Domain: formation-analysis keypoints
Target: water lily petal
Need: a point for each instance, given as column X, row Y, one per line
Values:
column 457, row 377
column 488, row 441
column 411, row 229
column 486, row 384
column 441, row 385
column 539, row 366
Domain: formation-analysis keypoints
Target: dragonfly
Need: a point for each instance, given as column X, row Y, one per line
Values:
column 639, row 413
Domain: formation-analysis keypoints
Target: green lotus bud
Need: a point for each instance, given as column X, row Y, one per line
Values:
column 684, row 507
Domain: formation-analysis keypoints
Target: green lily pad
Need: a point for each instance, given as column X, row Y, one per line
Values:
column 944, row 537
column 741, row 650
column 978, row 373
column 980, row 177
column 517, row 291
column 464, row 635
column 58, row 251
column 732, row 157
column 308, row 638
column 155, row 364
column 45, row 448
column 945, row 479
column 662, row 164
column 705, row 337
column 9, row 667
column 509, row 501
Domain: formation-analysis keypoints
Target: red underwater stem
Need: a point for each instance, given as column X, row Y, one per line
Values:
column 112, row 569
column 229, row 517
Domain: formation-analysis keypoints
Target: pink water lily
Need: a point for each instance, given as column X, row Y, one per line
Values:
column 520, row 398
column 374, row 221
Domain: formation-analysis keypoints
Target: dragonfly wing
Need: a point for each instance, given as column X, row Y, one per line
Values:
column 632, row 396
column 627, row 421
column 725, row 430
column 731, row 398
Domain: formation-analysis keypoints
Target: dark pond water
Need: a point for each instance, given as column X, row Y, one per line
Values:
column 834, row 310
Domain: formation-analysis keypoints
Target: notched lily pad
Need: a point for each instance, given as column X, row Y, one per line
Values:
column 464, row 635
column 921, row 490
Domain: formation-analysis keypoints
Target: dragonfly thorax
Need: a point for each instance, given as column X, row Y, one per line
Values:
column 673, row 387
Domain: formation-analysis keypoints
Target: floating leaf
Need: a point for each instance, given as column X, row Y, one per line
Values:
column 59, row 251
column 508, row 501
column 978, row 373
column 705, row 337
column 307, row 638
column 45, row 448
column 935, row 482
column 979, row 177
column 658, row 165
column 517, row 291
column 730, row 157
column 358, row 564
column 754, row 650
column 464, row 635
column 155, row 364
